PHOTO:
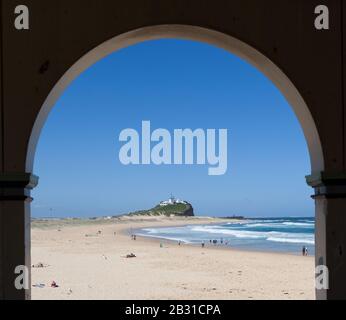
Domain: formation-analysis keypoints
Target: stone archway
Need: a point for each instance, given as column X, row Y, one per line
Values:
column 233, row 45
column 285, row 46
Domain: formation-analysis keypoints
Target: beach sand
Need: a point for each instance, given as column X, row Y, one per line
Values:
column 89, row 265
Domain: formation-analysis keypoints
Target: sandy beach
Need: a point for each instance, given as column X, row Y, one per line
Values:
column 87, row 260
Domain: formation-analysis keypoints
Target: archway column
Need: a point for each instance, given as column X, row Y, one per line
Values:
column 330, row 239
column 15, row 231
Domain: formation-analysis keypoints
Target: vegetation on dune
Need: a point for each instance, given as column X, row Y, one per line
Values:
column 178, row 209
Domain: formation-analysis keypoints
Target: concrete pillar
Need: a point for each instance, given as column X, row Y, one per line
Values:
column 15, row 231
column 330, row 235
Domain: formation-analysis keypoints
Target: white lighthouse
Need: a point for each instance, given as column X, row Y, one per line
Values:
column 171, row 200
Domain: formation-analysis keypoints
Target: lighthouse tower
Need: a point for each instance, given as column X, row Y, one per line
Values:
column 171, row 200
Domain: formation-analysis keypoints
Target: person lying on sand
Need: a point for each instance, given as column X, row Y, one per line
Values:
column 39, row 265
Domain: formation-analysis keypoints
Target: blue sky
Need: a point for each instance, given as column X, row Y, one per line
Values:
column 174, row 84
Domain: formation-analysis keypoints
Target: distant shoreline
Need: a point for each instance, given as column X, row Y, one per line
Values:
column 157, row 222
column 36, row 222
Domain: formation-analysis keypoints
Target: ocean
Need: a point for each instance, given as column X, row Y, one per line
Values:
column 260, row 234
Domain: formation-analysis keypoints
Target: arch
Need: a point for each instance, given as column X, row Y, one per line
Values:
column 187, row 32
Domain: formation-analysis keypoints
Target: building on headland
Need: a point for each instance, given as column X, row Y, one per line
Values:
column 171, row 200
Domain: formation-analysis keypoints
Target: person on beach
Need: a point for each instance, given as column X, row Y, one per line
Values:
column 304, row 251
column 203, row 244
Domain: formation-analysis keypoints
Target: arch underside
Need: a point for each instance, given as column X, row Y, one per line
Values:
column 221, row 40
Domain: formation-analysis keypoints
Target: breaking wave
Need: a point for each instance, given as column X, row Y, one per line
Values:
column 282, row 234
